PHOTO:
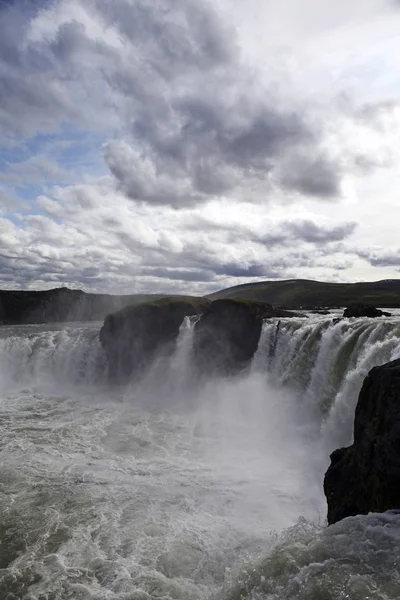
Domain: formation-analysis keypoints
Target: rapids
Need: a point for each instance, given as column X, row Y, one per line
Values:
column 186, row 489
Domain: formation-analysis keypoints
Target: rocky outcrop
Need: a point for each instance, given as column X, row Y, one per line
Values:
column 133, row 336
column 366, row 476
column 364, row 310
column 227, row 335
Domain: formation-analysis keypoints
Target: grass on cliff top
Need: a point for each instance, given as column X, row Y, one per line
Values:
column 198, row 303
column 262, row 309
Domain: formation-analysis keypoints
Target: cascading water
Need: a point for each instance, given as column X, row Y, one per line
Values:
column 61, row 355
column 325, row 362
column 186, row 489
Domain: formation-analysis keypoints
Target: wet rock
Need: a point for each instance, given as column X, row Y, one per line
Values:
column 133, row 336
column 227, row 335
column 364, row 310
column 365, row 477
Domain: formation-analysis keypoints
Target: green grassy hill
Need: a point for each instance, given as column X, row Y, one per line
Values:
column 303, row 293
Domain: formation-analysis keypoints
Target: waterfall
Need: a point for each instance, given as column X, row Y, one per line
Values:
column 322, row 360
column 325, row 362
column 38, row 354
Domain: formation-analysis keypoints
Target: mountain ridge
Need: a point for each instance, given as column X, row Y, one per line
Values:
column 308, row 294
column 65, row 304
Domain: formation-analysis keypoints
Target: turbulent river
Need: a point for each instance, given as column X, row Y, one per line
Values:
column 185, row 489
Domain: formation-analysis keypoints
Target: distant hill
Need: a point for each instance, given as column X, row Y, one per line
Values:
column 61, row 304
column 306, row 294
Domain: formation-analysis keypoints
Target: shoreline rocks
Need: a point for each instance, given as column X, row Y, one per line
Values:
column 365, row 477
column 364, row 310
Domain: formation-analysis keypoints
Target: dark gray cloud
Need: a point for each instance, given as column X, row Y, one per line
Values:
column 310, row 232
column 185, row 35
column 255, row 270
column 188, row 274
column 212, row 129
column 312, row 176
column 289, row 233
column 196, row 122
column 381, row 258
column 202, row 124
column 31, row 98
column 277, row 234
column 190, row 120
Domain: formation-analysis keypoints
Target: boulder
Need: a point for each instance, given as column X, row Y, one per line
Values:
column 133, row 336
column 364, row 310
column 366, row 476
column 227, row 335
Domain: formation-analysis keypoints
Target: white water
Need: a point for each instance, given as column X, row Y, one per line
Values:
column 325, row 363
column 185, row 489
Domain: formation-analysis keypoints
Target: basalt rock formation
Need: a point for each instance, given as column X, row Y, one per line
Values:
column 225, row 338
column 227, row 335
column 366, row 476
column 134, row 336
column 364, row 310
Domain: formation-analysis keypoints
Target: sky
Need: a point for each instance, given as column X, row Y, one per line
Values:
column 187, row 146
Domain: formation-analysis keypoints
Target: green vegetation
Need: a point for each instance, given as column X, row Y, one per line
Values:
column 198, row 303
column 261, row 309
column 302, row 293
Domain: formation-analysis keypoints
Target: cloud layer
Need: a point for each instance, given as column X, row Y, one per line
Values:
column 172, row 146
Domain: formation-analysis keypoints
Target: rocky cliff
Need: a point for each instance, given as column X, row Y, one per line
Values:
column 133, row 336
column 225, row 337
column 366, row 476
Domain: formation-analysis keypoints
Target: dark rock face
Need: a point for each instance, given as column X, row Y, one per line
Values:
column 366, row 476
column 227, row 335
column 133, row 336
column 364, row 310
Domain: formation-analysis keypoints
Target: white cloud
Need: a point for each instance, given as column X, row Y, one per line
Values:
column 239, row 142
